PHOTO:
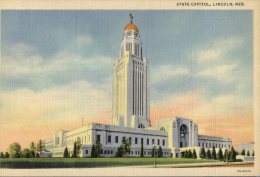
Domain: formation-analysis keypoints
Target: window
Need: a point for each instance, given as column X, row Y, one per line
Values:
column 116, row 139
column 105, row 152
column 111, row 152
column 206, row 145
column 199, row 143
column 163, row 142
column 158, row 142
column 136, row 140
column 127, row 46
column 147, row 141
column 109, row 139
column 98, row 139
column 86, row 151
column 142, row 141
column 152, row 141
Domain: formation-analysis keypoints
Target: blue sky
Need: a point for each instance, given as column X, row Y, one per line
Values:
column 62, row 60
column 169, row 38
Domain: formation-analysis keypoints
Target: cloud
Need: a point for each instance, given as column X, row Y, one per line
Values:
column 223, row 115
column 84, row 40
column 217, row 49
column 26, row 65
column 48, row 110
column 223, row 72
column 167, row 72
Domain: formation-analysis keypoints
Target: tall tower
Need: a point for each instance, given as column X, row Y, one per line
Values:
column 131, row 105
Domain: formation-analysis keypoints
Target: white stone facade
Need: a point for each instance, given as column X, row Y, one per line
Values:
column 131, row 115
column 247, row 147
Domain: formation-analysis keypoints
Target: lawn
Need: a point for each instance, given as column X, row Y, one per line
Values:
column 90, row 162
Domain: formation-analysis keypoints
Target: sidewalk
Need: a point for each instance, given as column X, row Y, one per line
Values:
column 193, row 165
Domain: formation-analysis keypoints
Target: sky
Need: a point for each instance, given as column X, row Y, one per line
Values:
column 56, row 68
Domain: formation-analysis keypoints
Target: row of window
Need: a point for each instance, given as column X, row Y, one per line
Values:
column 211, row 145
column 131, row 141
column 130, row 152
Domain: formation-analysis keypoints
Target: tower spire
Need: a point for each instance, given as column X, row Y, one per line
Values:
column 131, row 17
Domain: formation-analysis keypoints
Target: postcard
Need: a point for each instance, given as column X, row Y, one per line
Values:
column 129, row 88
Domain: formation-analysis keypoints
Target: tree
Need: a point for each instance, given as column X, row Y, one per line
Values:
column 66, row 153
column 40, row 146
column 119, row 152
column 186, row 154
column 160, row 152
column 126, row 147
column 153, row 151
column 243, row 152
column 208, row 154
column 182, row 154
column 233, row 153
column 189, row 154
column 7, row 155
column 32, row 149
column 74, row 153
column 2, row 155
column 214, row 154
column 142, row 150
column 226, row 155
column 78, row 147
column 26, row 153
column 248, row 153
column 203, row 153
column 93, row 151
column 15, row 150
column 194, row 154
column 220, row 154
column 98, row 148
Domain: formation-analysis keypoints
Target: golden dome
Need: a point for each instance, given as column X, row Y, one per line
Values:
column 131, row 26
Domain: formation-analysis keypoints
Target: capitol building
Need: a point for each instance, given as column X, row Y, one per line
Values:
column 131, row 115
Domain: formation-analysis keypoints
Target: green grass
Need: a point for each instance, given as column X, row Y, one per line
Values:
column 90, row 162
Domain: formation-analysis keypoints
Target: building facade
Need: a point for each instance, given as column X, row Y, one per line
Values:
column 131, row 115
column 247, row 147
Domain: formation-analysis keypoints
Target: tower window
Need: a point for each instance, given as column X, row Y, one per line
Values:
column 129, row 33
